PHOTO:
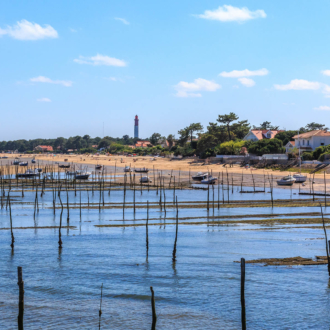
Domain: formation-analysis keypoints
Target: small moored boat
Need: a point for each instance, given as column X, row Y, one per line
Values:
column 200, row 176
column 98, row 167
column 28, row 174
column 82, row 175
column 145, row 179
column 64, row 166
column 141, row 170
column 209, row 180
column 300, row 178
column 127, row 169
column 288, row 180
column 33, row 161
column 16, row 162
column 23, row 164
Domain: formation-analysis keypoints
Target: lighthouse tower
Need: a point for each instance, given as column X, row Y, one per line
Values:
column 136, row 127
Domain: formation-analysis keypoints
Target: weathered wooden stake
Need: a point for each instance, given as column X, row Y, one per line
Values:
column 153, row 307
column 147, row 234
column 176, row 231
column 243, row 316
column 20, row 284
column 326, row 240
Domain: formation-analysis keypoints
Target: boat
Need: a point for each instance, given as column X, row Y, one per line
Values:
column 64, row 166
column 288, row 180
column 28, row 174
column 16, row 162
column 127, row 169
column 300, row 178
column 33, row 161
column 70, row 173
column 23, row 164
column 98, row 167
column 209, row 180
column 145, row 179
column 200, row 176
column 39, row 169
column 82, row 175
column 141, row 170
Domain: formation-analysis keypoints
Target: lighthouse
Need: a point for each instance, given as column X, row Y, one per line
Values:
column 136, row 127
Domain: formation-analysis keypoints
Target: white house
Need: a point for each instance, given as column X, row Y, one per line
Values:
column 311, row 140
column 290, row 146
column 260, row 134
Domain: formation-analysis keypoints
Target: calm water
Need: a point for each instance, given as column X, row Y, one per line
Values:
column 201, row 291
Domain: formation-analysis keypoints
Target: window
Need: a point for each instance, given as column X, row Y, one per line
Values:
column 303, row 142
column 308, row 142
column 269, row 135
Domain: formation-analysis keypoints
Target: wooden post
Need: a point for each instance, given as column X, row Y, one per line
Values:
column 153, row 307
column 208, row 197
column 326, row 240
column 243, row 316
column 325, row 191
column 11, row 225
column 134, row 191
column 20, row 283
column 176, row 231
column 218, row 191
column 147, row 234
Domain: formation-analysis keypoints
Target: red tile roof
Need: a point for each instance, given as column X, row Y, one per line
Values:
column 312, row 133
column 261, row 133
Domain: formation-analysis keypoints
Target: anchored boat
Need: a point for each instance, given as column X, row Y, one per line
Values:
column 288, row 180
column 28, row 174
column 82, row 175
column 209, row 180
column 141, row 170
column 200, row 176
column 127, row 169
column 300, row 178
column 145, row 179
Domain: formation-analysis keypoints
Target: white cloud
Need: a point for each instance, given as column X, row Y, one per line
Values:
column 185, row 89
column 227, row 13
column 123, row 20
column 42, row 79
column 299, row 84
column 326, row 72
column 100, row 60
column 25, row 30
column 73, row 30
column 323, row 107
column 247, row 82
column 44, row 99
column 244, row 73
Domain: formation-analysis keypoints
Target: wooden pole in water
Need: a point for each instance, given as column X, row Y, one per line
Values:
column 326, row 240
column 208, row 197
column 60, row 227
column 325, row 191
column 153, row 307
column 147, row 234
column 218, row 190
column 243, row 316
column 134, row 192
column 174, row 190
column 11, row 225
column 20, row 284
column 176, row 231
column 100, row 310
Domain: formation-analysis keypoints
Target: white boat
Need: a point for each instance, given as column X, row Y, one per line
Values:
column 145, row 179
column 300, row 178
column 288, row 180
column 33, row 161
column 23, row 164
column 127, row 169
column 209, row 180
column 200, row 176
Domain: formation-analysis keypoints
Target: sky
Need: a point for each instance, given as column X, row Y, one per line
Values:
column 73, row 67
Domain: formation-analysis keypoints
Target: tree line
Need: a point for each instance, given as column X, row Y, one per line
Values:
column 224, row 136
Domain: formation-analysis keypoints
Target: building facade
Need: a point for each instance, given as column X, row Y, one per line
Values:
column 311, row 140
column 260, row 134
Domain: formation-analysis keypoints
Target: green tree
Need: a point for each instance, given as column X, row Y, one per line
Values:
column 315, row 126
column 230, row 147
column 266, row 146
column 170, row 140
column 227, row 120
column 154, row 138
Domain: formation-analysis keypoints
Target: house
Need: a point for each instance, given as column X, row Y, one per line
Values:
column 290, row 146
column 143, row 144
column 260, row 134
column 311, row 140
column 44, row 148
column 165, row 144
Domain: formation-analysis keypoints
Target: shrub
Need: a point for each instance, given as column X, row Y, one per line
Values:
column 323, row 157
column 307, row 155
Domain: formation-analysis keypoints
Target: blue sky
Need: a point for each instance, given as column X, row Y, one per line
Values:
column 69, row 66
